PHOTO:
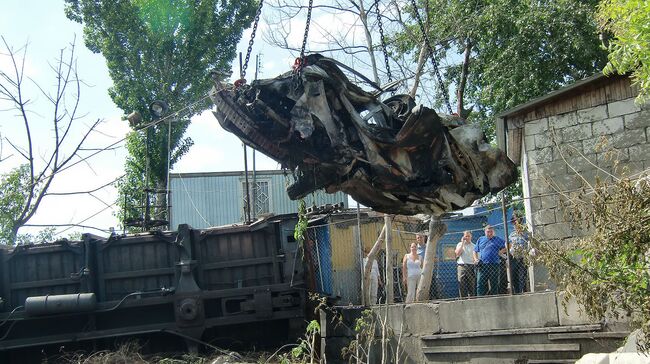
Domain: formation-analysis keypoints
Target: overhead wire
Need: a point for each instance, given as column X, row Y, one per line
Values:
column 174, row 115
column 193, row 204
column 83, row 192
column 88, row 218
column 152, row 123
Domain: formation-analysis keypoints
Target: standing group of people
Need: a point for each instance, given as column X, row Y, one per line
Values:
column 481, row 266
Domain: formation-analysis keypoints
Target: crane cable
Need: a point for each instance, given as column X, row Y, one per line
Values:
column 445, row 93
column 383, row 41
column 242, row 73
column 300, row 61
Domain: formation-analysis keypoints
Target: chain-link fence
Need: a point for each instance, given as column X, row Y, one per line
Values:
column 318, row 259
column 336, row 248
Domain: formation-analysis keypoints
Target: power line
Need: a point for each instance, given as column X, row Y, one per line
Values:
column 192, row 202
column 153, row 123
column 83, row 192
column 70, row 227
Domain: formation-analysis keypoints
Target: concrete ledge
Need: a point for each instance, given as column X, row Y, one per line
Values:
column 499, row 348
column 394, row 316
column 589, row 335
column 501, row 312
column 528, row 331
column 571, row 313
column 421, row 318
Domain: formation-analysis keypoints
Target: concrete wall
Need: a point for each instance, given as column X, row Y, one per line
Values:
column 593, row 143
column 408, row 323
column 560, row 150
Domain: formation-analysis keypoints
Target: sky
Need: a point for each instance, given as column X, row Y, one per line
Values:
column 42, row 27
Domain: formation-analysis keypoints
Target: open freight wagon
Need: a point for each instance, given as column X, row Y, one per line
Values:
column 182, row 283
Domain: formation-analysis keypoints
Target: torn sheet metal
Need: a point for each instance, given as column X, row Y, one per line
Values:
column 393, row 156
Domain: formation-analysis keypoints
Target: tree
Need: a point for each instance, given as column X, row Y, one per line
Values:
column 629, row 49
column 22, row 189
column 608, row 269
column 352, row 36
column 160, row 51
column 498, row 54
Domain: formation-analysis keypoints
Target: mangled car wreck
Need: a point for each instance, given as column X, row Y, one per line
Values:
column 393, row 156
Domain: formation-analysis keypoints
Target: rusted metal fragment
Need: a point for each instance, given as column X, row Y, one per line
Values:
column 393, row 156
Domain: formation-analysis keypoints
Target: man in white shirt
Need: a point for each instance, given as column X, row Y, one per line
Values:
column 465, row 266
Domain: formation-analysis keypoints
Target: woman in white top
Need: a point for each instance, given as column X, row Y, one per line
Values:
column 411, row 272
column 465, row 266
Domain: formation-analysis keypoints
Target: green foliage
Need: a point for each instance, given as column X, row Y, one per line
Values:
column 160, row 50
column 629, row 50
column 44, row 236
column 359, row 349
column 13, row 196
column 301, row 226
column 608, row 270
column 519, row 49
column 305, row 348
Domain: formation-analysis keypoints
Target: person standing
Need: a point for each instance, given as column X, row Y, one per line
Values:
column 421, row 239
column 465, row 266
column 487, row 259
column 374, row 278
column 411, row 272
column 518, row 246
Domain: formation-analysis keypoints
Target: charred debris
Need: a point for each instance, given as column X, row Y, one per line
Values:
column 393, row 155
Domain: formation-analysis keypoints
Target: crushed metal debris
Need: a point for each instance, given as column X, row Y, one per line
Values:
column 394, row 156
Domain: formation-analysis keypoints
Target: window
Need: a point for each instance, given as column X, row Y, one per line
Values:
column 259, row 193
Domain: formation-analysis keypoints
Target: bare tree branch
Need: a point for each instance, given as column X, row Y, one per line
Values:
column 63, row 118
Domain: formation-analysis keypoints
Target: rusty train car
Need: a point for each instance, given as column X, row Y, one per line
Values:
column 181, row 283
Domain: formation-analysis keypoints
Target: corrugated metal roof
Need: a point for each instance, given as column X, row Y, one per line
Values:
column 214, row 199
column 552, row 95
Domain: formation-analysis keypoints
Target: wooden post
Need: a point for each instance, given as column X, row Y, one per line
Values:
column 389, row 286
column 362, row 278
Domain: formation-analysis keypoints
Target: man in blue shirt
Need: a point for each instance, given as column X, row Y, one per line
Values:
column 486, row 257
column 421, row 239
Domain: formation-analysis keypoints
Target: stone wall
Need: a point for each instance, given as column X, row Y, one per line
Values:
column 590, row 143
column 561, row 152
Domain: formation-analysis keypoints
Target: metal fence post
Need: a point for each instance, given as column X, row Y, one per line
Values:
column 390, row 293
column 505, row 238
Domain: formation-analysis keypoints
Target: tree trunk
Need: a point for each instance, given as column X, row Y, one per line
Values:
column 418, row 71
column 460, row 110
column 363, row 16
column 436, row 230
column 372, row 256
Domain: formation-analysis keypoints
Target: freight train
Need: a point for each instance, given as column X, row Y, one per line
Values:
column 181, row 283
